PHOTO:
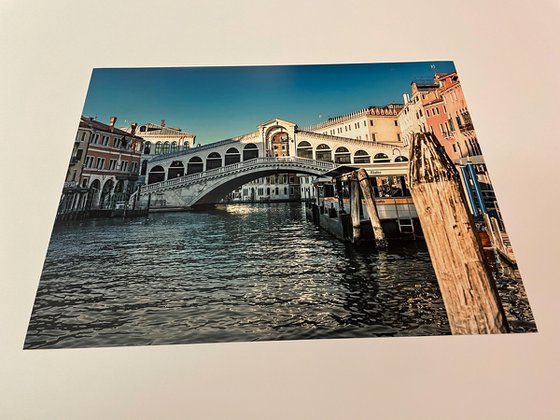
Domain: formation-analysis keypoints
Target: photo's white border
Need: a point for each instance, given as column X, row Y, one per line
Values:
column 506, row 55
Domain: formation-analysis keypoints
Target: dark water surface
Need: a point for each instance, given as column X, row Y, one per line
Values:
column 238, row 273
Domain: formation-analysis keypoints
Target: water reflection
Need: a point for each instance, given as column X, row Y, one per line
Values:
column 236, row 273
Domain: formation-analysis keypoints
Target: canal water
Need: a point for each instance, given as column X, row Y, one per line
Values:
column 240, row 272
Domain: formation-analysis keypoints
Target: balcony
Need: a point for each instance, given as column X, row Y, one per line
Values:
column 70, row 185
column 466, row 127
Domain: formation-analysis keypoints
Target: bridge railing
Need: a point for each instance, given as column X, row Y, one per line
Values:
column 236, row 166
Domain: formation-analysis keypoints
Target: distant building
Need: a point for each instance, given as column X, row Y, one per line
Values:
column 159, row 139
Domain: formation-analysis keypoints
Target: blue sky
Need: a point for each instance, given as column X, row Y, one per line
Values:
column 215, row 103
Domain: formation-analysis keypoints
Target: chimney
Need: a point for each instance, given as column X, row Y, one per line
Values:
column 163, row 123
column 112, row 121
column 133, row 128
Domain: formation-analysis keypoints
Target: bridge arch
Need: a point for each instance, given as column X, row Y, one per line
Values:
column 232, row 156
column 381, row 158
column 250, row 151
column 195, row 165
column 304, row 150
column 323, row 152
column 361, row 156
column 176, row 169
column 213, row 161
column 218, row 190
column 342, row 155
column 157, row 174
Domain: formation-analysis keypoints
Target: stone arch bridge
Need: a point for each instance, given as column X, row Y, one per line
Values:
column 205, row 174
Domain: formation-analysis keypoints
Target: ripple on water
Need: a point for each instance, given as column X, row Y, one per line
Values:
column 237, row 273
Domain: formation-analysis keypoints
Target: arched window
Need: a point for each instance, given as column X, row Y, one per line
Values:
column 342, row 155
column 361, row 156
column 186, row 144
column 157, row 174
column 214, row 160
column 381, row 158
column 176, row 169
column 173, row 146
column 401, row 159
column 166, row 147
column 323, row 152
column 158, row 148
column 232, row 156
column 147, row 147
column 144, row 167
column 304, row 150
column 142, row 128
column 250, row 151
column 195, row 165
column 105, row 200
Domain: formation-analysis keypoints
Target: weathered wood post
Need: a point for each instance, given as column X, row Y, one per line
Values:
column 365, row 184
column 465, row 280
column 355, row 207
column 339, row 193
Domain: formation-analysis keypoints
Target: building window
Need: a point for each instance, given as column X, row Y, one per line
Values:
column 100, row 163
column 371, row 122
column 124, row 166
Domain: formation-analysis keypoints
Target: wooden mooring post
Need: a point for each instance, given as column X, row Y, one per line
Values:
column 355, row 207
column 465, row 280
column 365, row 185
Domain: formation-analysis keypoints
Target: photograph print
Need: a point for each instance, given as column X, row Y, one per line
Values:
column 268, row 203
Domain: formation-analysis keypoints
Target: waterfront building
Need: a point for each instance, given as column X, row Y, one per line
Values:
column 374, row 123
column 459, row 124
column 103, row 169
column 281, row 187
column 412, row 116
column 438, row 105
